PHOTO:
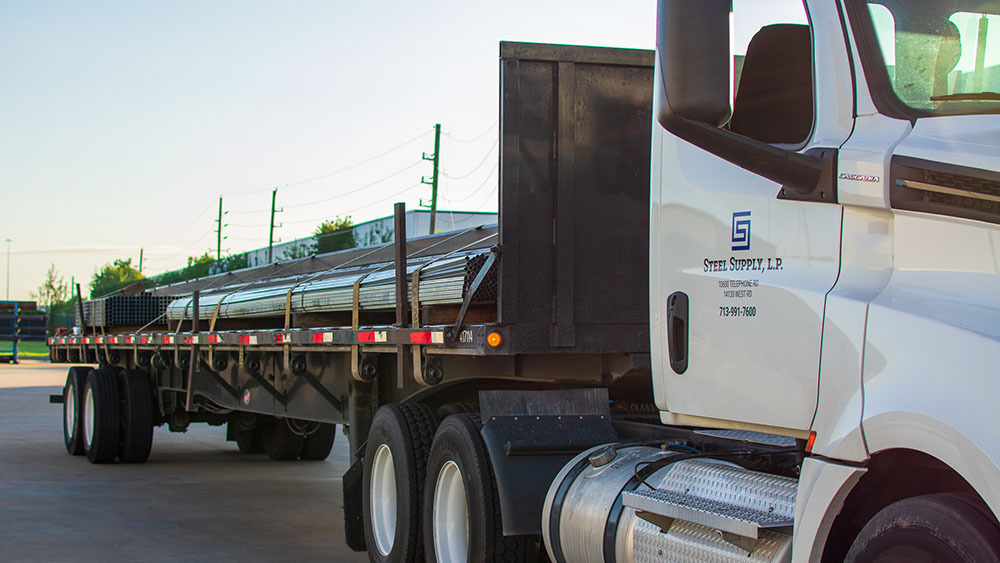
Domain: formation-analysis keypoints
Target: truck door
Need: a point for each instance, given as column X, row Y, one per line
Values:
column 752, row 259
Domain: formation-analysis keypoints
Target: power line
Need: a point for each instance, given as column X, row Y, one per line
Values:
column 340, row 170
column 185, row 227
column 408, row 188
column 473, row 171
column 489, row 176
column 351, row 192
column 488, row 198
column 477, row 137
column 253, row 212
column 183, row 250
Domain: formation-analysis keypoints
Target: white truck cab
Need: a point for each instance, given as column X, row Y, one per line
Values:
column 825, row 252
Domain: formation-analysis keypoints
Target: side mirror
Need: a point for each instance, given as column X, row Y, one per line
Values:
column 692, row 48
column 691, row 100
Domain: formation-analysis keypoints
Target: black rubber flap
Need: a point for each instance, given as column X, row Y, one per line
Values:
column 530, row 436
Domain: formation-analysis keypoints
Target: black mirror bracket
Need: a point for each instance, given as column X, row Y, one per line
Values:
column 825, row 189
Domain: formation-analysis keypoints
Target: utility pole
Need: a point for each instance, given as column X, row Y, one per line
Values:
column 8, row 270
column 270, row 234
column 435, row 158
column 218, row 233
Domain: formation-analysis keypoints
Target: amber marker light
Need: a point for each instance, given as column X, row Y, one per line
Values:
column 494, row 339
column 811, row 442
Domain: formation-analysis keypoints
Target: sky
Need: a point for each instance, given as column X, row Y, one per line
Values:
column 123, row 123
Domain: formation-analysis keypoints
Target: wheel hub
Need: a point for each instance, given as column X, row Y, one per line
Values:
column 451, row 515
column 383, row 499
column 88, row 417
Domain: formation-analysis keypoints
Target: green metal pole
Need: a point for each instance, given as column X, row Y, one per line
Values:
column 434, row 158
column 270, row 235
column 434, row 181
column 218, row 234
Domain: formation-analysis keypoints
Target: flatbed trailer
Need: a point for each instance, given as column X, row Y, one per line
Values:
column 761, row 330
column 563, row 301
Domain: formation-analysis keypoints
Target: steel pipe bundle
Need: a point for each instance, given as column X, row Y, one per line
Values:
column 442, row 280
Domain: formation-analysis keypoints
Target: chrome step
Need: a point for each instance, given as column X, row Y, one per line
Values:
column 727, row 498
column 712, row 513
column 750, row 437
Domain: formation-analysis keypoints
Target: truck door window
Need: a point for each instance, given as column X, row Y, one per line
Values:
column 932, row 57
column 772, row 72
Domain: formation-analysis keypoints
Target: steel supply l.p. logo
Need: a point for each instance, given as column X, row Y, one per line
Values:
column 741, row 230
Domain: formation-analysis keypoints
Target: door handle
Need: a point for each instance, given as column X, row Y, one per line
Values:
column 677, row 331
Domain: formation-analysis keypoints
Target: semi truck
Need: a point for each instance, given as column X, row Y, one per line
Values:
column 740, row 304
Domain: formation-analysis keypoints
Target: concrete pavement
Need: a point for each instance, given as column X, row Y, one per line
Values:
column 196, row 499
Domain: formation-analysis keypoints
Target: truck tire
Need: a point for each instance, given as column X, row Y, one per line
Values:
column 137, row 417
column 446, row 410
column 394, row 469
column 101, row 416
column 280, row 443
column 76, row 379
column 940, row 527
column 250, row 441
column 318, row 444
column 461, row 507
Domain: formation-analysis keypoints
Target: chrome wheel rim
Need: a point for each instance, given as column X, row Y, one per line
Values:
column 88, row 417
column 69, row 415
column 451, row 515
column 383, row 499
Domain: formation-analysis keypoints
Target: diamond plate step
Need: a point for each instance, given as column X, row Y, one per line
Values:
column 714, row 514
column 750, row 437
column 727, row 498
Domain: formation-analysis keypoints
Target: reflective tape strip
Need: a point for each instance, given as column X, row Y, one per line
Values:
column 322, row 337
column 427, row 338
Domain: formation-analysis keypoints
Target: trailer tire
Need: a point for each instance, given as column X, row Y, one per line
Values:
column 280, row 443
column 101, row 414
column 318, row 445
column 446, row 410
column 76, row 379
column 250, row 441
column 137, row 417
column 395, row 467
column 461, row 496
column 941, row 527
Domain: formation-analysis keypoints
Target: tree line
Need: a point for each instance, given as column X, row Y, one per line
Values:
column 331, row 235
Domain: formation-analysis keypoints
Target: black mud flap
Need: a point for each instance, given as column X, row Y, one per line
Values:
column 354, row 524
column 530, row 436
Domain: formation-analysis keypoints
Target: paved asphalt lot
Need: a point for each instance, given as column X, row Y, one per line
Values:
column 196, row 499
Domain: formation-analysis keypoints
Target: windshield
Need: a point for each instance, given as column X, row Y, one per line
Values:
column 939, row 56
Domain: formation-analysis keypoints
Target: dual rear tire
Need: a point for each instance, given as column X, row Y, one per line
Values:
column 395, row 466
column 72, row 404
column 101, row 416
column 444, row 479
column 276, row 437
column 461, row 508
column 108, row 415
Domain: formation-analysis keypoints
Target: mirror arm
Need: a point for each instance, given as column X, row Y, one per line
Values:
column 795, row 171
